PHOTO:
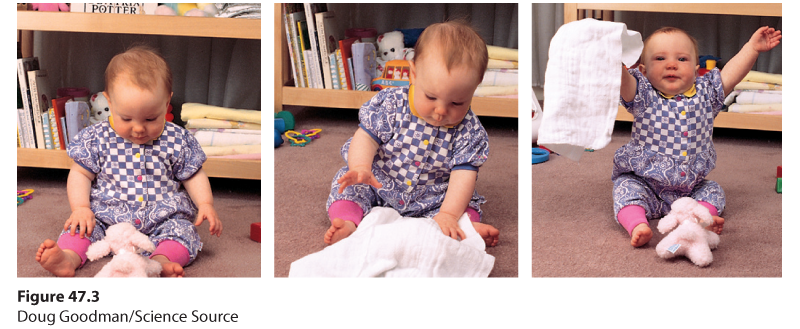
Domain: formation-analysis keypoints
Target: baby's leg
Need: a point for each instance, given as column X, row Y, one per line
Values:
column 631, row 196
column 64, row 257
column 173, row 256
column 709, row 194
column 490, row 235
column 345, row 216
column 718, row 223
column 633, row 219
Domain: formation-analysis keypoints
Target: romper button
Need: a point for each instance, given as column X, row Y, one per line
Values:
column 141, row 199
column 425, row 142
column 683, row 153
column 685, row 133
column 139, row 178
column 683, row 113
column 416, row 163
column 408, row 182
column 137, row 155
column 678, row 98
column 137, row 222
column 402, row 202
column 683, row 173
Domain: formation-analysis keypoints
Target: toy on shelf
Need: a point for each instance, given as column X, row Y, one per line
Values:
column 686, row 224
column 395, row 74
column 391, row 47
column 126, row 242
column 24, row 195
column 187, row 9
column 50, row 6
column 100, row 111
column 779, row 183
column 707, row 63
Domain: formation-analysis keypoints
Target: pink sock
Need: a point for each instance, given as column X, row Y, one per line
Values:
column 346, row 210
column 711, row 208
column 75, row 243
column 473, row 215
column 173, row 250
column 630, row 216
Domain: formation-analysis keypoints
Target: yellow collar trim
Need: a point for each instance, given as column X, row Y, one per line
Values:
column 111, row 123
column 689, row 93
column 411, row 104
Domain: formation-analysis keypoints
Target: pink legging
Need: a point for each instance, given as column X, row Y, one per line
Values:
column 350, row 211
column 632, row 215
column 174, row 251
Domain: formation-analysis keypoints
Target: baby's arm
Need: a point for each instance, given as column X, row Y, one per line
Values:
column 79, row 188
column 359, row 161
column 456, row 200
column 199, row 190
column 763, row 40
column 627, row 89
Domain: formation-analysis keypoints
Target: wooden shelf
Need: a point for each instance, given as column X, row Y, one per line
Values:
column 140, row 24
column 213, row 27
column 214, row 167
column 350, row 99
column 572, row 12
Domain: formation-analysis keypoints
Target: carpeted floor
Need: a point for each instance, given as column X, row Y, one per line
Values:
column 233, row 254
column 303, row 177
column 575, row 234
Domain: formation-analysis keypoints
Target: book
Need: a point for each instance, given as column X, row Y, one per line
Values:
column 328, row 41
column 352, row 80
column 39, row 97
column 311, row 9
column 293, row 15
column 114, row 8
column 77, row 117
column 340, row 67
column 60, row 112
column 48, row 138
column 334, row 68
column 24, row 65
column 345, row 46
column 51, row 116
column 302, row 36
column 26, row 128
column 364, row 64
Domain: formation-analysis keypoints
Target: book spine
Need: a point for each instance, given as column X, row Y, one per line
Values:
column 48, row 137
column 304, row 60
column 340, row 66
column 352, row 76
column 36, row 112
column 286, row 25
column 334, row 71
column 312, row 38
column 27, row 129
column 51, row 114
column 323, row 48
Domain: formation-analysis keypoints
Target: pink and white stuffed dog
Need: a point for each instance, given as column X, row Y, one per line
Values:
column 126, row 242
column 690, row 238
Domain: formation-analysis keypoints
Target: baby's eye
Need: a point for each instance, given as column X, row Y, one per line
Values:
column 151, row 119
column 126, row 119
column 458, row 103
column 683, row 59
column 659, row 58
column 430, row 97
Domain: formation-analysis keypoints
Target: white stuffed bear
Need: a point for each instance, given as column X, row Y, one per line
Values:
column 390, row 47
column 126, row 242
column 690, row 238
column 100, row 110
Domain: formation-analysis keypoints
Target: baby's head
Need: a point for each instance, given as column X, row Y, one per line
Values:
column 669, row 60
column 450, row 60
column 138, row 89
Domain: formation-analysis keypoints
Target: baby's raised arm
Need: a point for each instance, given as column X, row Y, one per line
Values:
column 627, row 89
column 359, row 161
column 763, row 40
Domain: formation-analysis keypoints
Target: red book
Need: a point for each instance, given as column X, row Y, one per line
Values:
column 345, row 45
column 60, row 109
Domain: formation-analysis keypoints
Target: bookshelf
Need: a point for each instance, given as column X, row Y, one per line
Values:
column 140, row 24
column 350, row 99
column 576, row 11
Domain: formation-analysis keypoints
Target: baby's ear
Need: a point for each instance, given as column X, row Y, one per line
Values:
column 642, row 69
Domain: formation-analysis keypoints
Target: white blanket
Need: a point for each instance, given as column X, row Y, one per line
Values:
column 389, row 245
column 582, row 81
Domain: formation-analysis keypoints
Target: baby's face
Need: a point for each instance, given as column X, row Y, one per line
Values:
column 442, row 98
column 138, row 114
column 670, row 63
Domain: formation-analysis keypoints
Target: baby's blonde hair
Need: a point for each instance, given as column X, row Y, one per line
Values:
column 669, row 30
column 458, row 44
column 143, row 66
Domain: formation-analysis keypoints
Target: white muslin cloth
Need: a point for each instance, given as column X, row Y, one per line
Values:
column 389, row 245
column 582, row 81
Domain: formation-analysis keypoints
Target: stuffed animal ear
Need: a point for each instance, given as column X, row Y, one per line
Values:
column 98, row 250
column 668, row 223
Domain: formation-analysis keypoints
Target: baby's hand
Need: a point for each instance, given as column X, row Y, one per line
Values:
column 206, row 211
column 83, row 217
column 449, row 226
column 358, row 176
column 765, row 39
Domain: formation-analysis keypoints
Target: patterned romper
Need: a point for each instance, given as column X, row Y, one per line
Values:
column 414, row 158
column 139, row 183
column 670, row 152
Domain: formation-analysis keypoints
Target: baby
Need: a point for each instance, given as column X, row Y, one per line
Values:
column 130, row 169
column 418, row 148
column 671, row 152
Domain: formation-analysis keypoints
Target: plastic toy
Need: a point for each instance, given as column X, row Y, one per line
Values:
column 395, row 74
column 126, row 242
column 187, row 9
column 255, row 232
column 707, row 63
column 24, row 195
column 50, row 6
column 296, row 138
column 687, row 236
column 169, row 116
column 391, row 47
column 539, row 155
column 100, row 111
column 779, row 183
column 313, row 133
column 288, row 119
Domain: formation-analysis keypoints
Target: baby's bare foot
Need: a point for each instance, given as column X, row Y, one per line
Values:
column 641, row 235
column 490, row 235
column 56, row 260
column 169, row 269
column 716, row 227
column 339, row 229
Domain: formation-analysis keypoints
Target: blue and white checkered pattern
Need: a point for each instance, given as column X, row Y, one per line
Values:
column 418, row 155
